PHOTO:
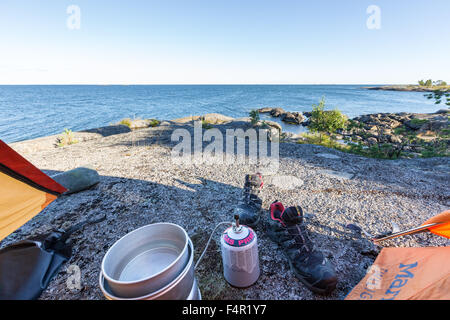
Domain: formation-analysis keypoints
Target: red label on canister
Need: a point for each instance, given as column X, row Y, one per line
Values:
column 239, row 242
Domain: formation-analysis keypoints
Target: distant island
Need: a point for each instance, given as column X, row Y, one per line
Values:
column 409, row 87
column 422, row 86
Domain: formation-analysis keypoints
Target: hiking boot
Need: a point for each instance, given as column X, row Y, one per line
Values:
column 288, row 230
column 250, row 207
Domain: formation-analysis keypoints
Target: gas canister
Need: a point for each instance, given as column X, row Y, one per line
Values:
column 239, row 246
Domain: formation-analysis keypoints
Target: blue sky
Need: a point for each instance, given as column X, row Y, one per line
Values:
column 223, row 42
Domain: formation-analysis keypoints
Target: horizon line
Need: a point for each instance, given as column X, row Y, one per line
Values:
column 204, row 84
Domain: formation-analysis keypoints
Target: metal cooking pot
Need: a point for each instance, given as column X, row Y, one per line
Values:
column 184, row 287
column 146, row 260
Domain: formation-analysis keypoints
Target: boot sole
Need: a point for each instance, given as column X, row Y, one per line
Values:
column 330, row 287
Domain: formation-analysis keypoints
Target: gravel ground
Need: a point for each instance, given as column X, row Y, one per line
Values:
column 141, row 185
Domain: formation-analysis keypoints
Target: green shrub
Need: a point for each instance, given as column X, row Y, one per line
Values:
column 264, row 125
column 444, row 134
column 206, row 125
column 66, row 138
column 419, row 121
column 254, row 117
column 400, row 130
column 126, row 122
column 352, row 124
column 326, row 121
column 383, row 151
column 154, row 123
column 436, row 149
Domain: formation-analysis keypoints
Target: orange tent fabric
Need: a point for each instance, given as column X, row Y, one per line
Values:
column 24, row 190
column 406, row 274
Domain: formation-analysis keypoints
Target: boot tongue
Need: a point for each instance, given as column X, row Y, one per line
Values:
column 292, row 215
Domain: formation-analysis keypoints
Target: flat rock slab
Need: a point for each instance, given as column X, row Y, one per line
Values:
column 337, row 174
column 140, row 184
column 328, row 155
column 286, row 182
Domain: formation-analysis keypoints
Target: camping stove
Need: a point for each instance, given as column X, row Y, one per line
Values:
column 239, row 246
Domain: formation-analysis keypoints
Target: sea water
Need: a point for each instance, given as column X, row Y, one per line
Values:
column 32, row 111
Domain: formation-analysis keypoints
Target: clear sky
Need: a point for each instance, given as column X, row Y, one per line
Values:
column 223, row 42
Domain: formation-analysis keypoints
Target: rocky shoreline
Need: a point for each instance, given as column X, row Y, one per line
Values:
column 286, row 116
column 409, row 134
column 140, row 184
column 406, row 130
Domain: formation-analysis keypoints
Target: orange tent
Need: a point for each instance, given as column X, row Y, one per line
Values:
column 24, row 190
column 406, row 274
column 409, row 273
column 442, row 222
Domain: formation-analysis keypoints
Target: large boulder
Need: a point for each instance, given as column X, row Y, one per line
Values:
column 292, row 117
column 292, row 137
column 286, row 116
column 271, row 124
column 394, row 124
column 276, row 112
column 435, row 125
column 414, row 124
column 394, row 139
column 366, row 118
column 265, row 110
column 372, row 129
column 272, row 129
column 386, row 120
column 372, row 141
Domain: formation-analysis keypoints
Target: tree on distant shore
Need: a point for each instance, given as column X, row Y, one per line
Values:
column 425, row 83
column 439, row 83
column 431, row 83
column 326, row 121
